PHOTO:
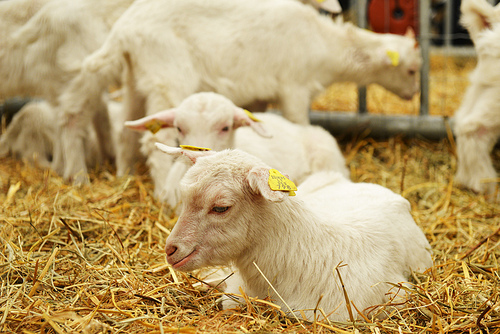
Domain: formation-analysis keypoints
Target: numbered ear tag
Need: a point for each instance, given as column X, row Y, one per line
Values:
column 393, row 56
column 252, row 117
column 278, row 182
column 194, row 148
column 154, row 125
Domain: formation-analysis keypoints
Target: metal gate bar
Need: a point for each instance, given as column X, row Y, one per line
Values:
column 382, row 126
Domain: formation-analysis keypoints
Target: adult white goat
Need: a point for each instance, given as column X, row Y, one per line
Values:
column 211, row 120
column 231, row 215
column 245, row 50
column 477, row 121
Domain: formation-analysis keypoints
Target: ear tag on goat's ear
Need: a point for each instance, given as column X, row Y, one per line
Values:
column 194, row 148
column 393, row 56
column 154, row 125
column 251, row 116
column 278, row 182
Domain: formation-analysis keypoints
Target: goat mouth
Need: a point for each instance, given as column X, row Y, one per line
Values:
column 184, row 260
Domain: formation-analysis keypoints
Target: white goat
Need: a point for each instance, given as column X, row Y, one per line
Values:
column 211, row 120
column 245, row 50
column 477, row 121
column 32, row 134
column 231, row 216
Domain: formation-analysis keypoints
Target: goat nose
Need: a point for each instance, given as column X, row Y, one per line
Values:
column 170, row 250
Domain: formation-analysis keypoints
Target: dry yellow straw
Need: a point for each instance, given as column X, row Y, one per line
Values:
column 44, row 272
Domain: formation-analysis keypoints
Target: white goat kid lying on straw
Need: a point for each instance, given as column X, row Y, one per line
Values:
column 231, row 216
column 211, row 120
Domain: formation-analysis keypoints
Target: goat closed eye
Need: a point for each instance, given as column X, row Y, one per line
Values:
column 225, row 129
column 220, row 209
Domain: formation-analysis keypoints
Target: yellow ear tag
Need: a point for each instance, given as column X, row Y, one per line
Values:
column 252, row 117
column 194, row 148
column 278, row 182
column 154, row 125
column 393, row 56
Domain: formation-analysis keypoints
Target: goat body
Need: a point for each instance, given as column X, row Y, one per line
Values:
column 230, row 216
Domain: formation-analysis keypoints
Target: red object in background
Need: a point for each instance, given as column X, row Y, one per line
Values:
column 393, row 16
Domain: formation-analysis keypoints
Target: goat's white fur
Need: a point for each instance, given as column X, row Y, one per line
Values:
column 477, row 121
column 246, row 51
column 211, row 120
column 31, row 134
column 43, row 42
column 297, row 242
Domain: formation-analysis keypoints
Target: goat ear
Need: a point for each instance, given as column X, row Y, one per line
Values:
column 244, row 117
column 189, row 153
column 258, row 179
column 153, row 123
column 410, row 33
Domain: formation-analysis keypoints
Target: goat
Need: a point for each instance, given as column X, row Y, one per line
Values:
column 233, row 214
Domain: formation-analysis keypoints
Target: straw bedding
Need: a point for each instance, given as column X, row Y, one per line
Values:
column 92, row 260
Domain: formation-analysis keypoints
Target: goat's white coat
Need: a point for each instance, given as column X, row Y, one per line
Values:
column 13, row 15
column 213, row 121
column 245, row 50
column 43, row 43
column 297, row 242
column 477, row 121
